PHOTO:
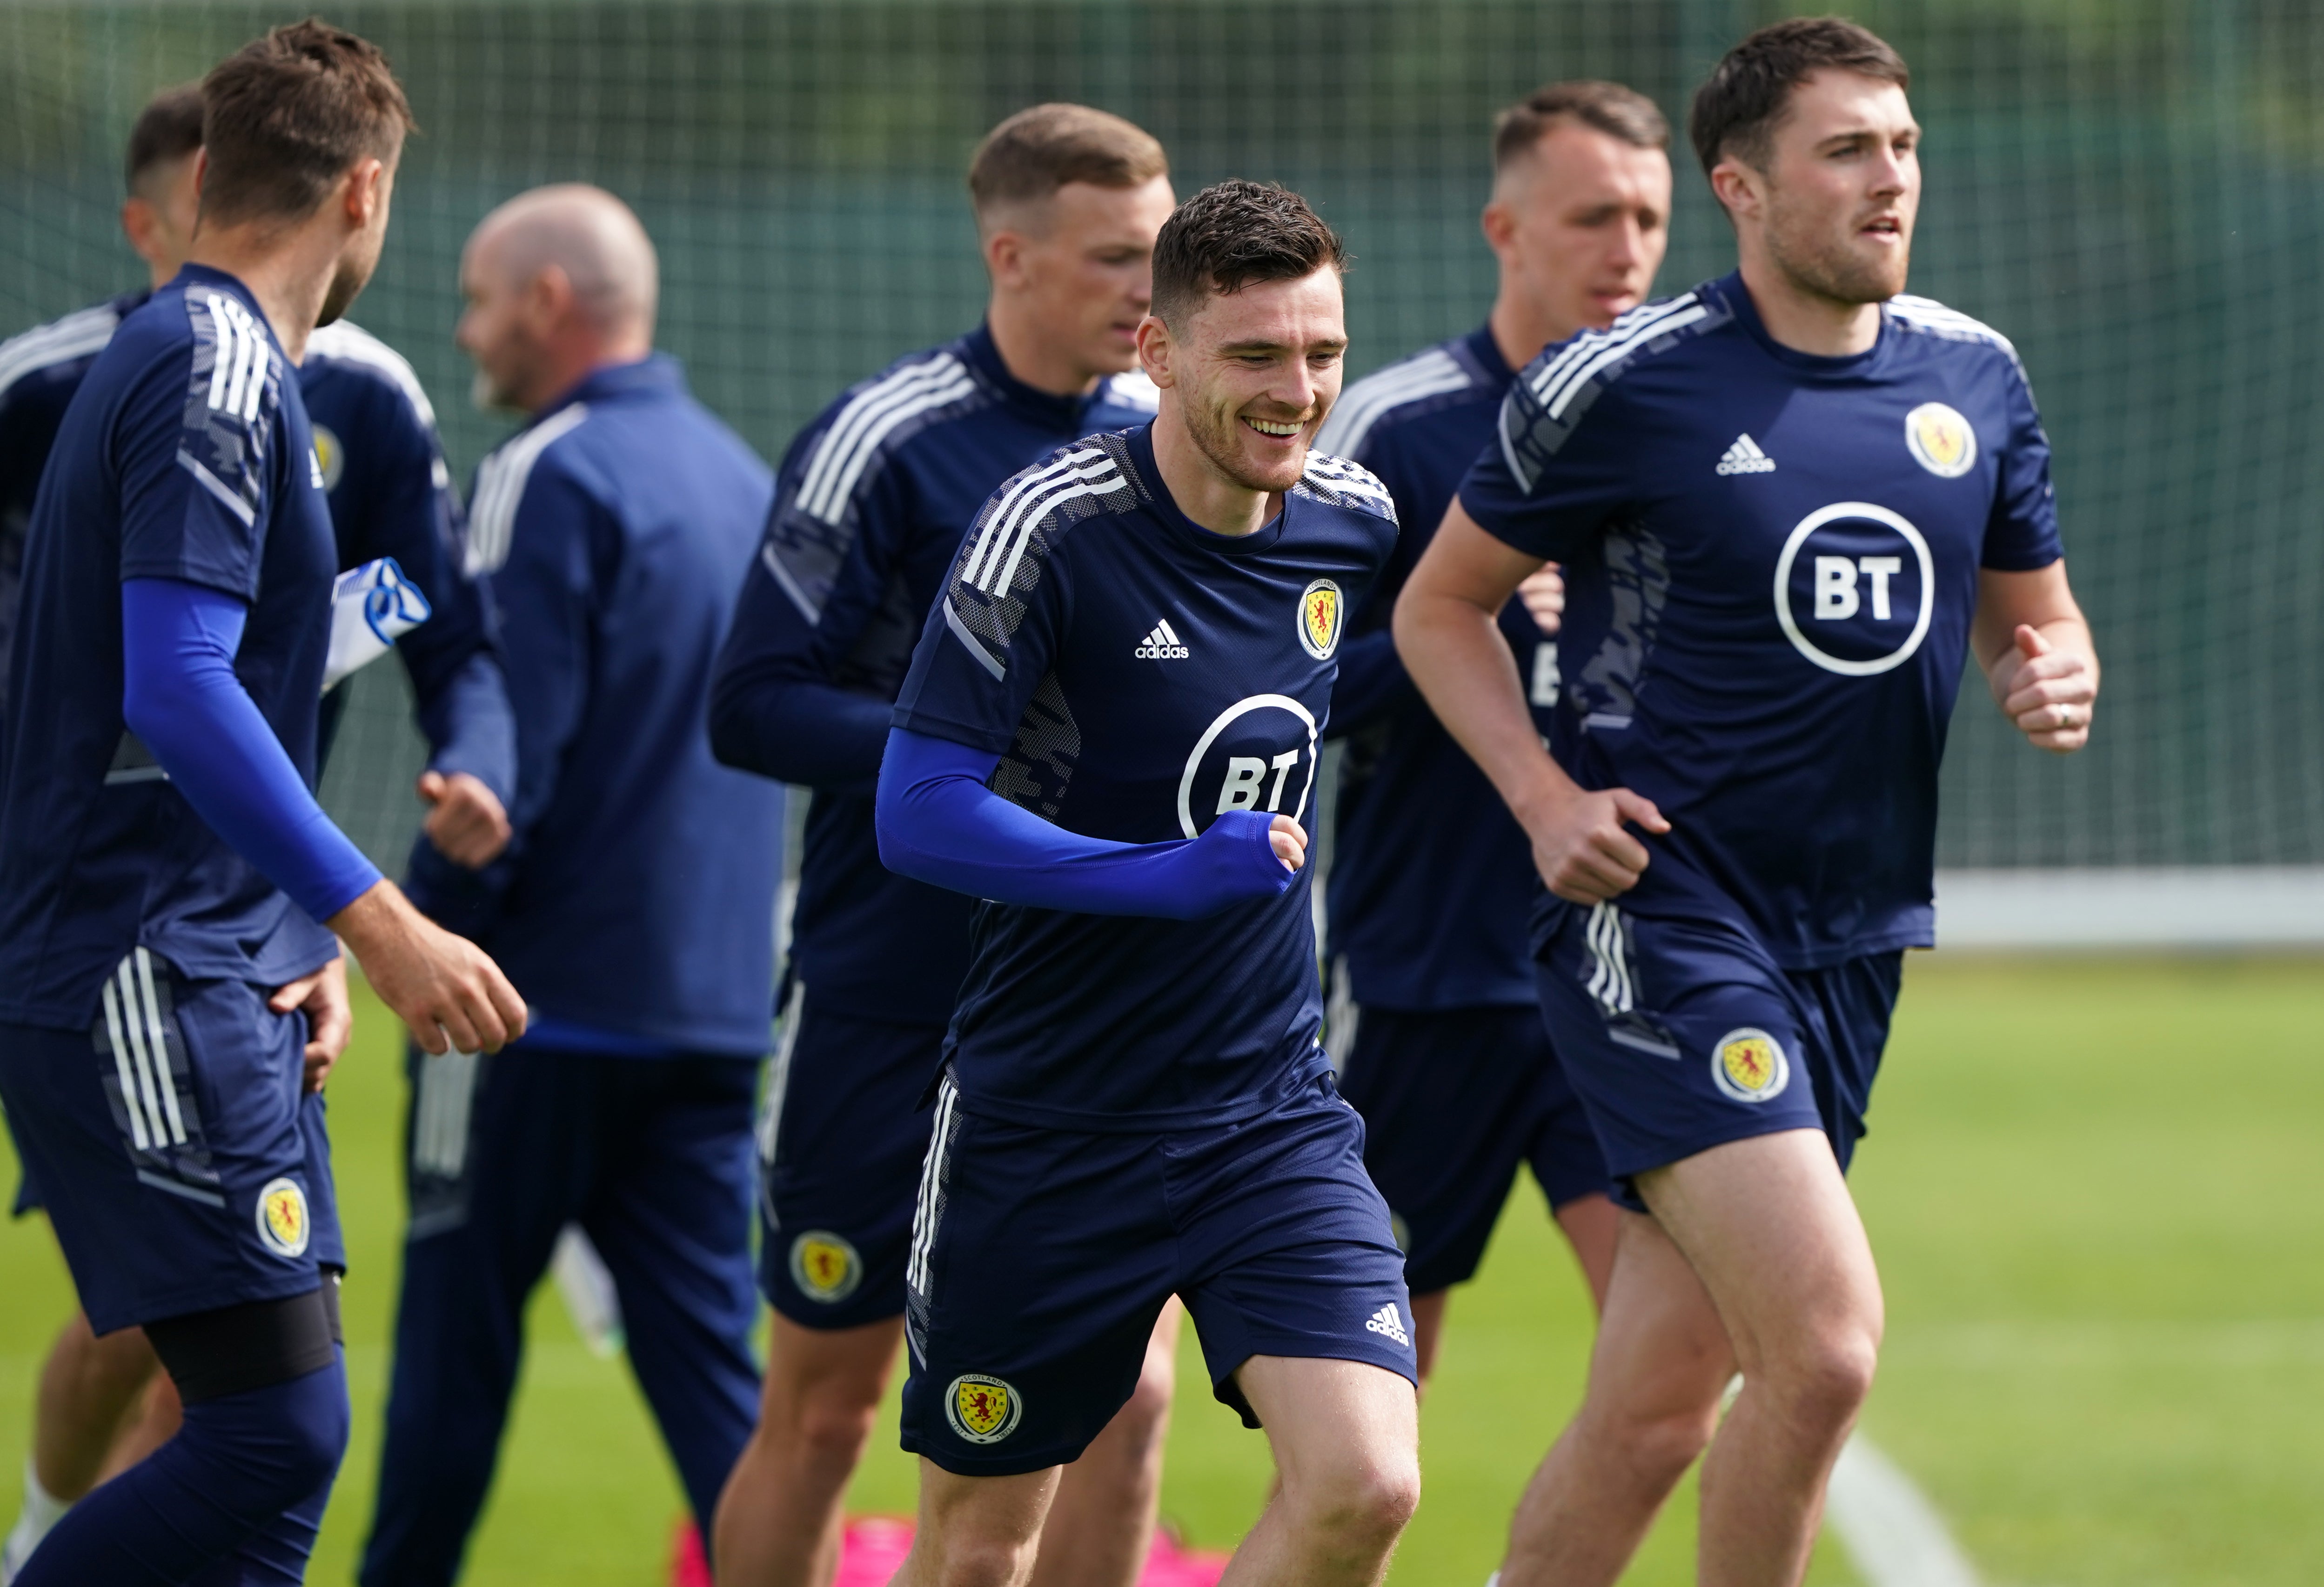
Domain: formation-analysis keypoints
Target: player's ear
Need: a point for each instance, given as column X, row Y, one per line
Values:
column 1154, row 349
column 1004, row 257
column 1740, row 188
column 138, row 220
column 1499, row 224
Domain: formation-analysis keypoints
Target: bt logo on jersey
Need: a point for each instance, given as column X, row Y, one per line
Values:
column 1855, row 589
column 1259, row 754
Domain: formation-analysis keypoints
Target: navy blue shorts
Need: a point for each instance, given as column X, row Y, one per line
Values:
column 28, row 1194
column 1681, row 1036
column 1041, row 1258
column 841, row 1141
column 1453, row 1100
column 183, row 1168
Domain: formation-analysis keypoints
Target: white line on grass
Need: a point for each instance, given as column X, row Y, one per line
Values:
column 1891, row 1530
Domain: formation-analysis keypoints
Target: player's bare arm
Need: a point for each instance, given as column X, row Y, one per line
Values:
column 444, row 988
column 2034, row 648
column 1447, row 635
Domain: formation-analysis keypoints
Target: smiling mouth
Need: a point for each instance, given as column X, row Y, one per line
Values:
column 1280, row 430
column 1887, row 225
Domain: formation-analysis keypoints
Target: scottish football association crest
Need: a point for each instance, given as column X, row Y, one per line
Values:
column 1940, row 440
column 825, row 1266
column 1320, row 611
column 282, row 1223
column 1749, row 1065
column 981, row 1410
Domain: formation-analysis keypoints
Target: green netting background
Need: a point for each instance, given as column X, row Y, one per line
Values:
column 2133, row 189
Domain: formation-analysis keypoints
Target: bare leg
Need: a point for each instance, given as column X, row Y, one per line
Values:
column 1346, row 1438
column 781, row 1518
column 1102, row 1522
column 1755, row 1243
column 1769, row 1225
column 1655, row 1374
column 91, row 1391
column 1592, row 1225
column 977, row 1531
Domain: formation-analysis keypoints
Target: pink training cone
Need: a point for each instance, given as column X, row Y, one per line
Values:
column 876, row 1546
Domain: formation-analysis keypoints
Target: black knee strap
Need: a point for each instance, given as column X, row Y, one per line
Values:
column 210, row 1355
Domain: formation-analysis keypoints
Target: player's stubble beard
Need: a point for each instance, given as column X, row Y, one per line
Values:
column 1217, row 430
column 348, row 283
column 1803, row 247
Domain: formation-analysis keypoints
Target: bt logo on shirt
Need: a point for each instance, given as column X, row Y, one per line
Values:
column 1862, row 579
column 1258, row 754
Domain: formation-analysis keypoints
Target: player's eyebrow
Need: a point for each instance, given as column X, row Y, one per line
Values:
column 1245, row 349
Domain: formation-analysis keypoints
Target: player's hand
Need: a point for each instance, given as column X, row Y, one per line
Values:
column 1542, row 591
column 1288, row 838
column 1581, row 846
column 330, row 1017
column 444, row 988
column 468, row 825
column 2048, row 692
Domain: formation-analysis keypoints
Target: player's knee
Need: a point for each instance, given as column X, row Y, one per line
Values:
column 982, row 1562
column 1360, row 1507
column 835, row 1428
column 1821, row 1380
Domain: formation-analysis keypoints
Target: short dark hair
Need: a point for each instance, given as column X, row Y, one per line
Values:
column 1739, row 105
column 1035, row 152
column 1607, row 107
column 286, row 115
column 169, row 128
column 1232, row 234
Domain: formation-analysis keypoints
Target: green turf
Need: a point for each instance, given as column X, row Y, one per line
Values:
column 2097, row 1192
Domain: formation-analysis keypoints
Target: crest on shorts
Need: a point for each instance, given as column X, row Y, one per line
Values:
column 981, row 1410
column 825, row 1266
column 1749, row 1065
column 1321, row 610
column 1940, row 440
column 283, row 1226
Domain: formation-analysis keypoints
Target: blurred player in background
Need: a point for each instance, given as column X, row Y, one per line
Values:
column 390, row 496
column 1786, row 502
column 871, row 503
column 1436, row 1024
column 1108, row 733
column 634, row 909
column 168, row 888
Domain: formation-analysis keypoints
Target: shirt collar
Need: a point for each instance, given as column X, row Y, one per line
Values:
column 656, row 371
column 1486, row 352
column 1063, row 413
column 1730, row 290
column 1163, row 507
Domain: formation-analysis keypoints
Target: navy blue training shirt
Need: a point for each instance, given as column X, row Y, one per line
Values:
column 635, row 907
column 1139, row 676
column 389, row 492
column 870, row 508
column 185, row 454
column 391, row 495
column 1431, row 879
column 1770, row 561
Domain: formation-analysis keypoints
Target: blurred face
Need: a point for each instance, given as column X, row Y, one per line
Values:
column 159, row 217
column 503, row 328
column 1579, row 226
column 1835, row 207
column 1252, row 373
column 1084, row 263
column 370, row 188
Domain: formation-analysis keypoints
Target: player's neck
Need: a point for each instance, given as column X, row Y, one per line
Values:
column 1026, row 354
column 1805, row 321
column 289, row 272
column 1519, row 331
column 1206, row 496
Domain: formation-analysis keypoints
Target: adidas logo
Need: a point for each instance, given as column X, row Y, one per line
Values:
column 1746, row 458
column 1162, row 644
column 1386, row 1321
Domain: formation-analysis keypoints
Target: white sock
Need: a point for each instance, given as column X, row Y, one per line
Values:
column 42, row 1510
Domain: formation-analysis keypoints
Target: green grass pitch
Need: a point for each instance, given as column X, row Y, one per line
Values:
column 2097, row 1189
